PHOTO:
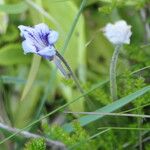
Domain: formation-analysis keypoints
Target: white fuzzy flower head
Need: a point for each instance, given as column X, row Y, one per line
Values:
column 118, row 33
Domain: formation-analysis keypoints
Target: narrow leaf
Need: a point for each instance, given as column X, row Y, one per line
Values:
column 32, row 75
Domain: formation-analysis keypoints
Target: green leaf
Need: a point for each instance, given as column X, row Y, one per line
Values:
column 107, row 109
column 12, row 54
column 32, row 75
column 14, row 8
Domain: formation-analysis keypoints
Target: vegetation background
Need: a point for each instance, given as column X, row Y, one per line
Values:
column 34, row 96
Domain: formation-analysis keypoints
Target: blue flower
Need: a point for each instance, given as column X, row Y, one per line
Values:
column 39, row 40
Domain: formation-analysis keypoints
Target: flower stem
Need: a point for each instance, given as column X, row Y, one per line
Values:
column 70, row 72
column 113, row 84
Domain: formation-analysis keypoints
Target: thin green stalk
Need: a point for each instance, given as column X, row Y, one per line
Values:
column 136, row 71
column 113, row 84
column 140, row 133
column 110, row 114
column 129, row 110
column 74, row 25
column 97, row 134
column 90, row 138
column 125, row 128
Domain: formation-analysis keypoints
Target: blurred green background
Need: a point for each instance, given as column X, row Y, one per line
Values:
column 30, row 87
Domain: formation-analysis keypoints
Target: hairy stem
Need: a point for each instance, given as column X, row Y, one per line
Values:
column 113, row 84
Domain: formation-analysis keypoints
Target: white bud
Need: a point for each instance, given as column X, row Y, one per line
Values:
column 118, row 33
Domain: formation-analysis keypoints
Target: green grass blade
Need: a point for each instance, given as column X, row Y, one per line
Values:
column 90, row 138
column 73, row 25
column 125, row 128
column 136, row 108
column 111, row 114
column 109, row 108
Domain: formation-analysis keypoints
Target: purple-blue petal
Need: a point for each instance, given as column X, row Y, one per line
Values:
column 48, row 52
column 53, row 37
column 28, row 47
column 39, row 39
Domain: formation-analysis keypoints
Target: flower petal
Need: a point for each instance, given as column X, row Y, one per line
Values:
column 32, row 35
column 42, row 28
column 39, row 39
column 48, row 52
column 52, row 37
column 28, row 47
column 25, row 29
